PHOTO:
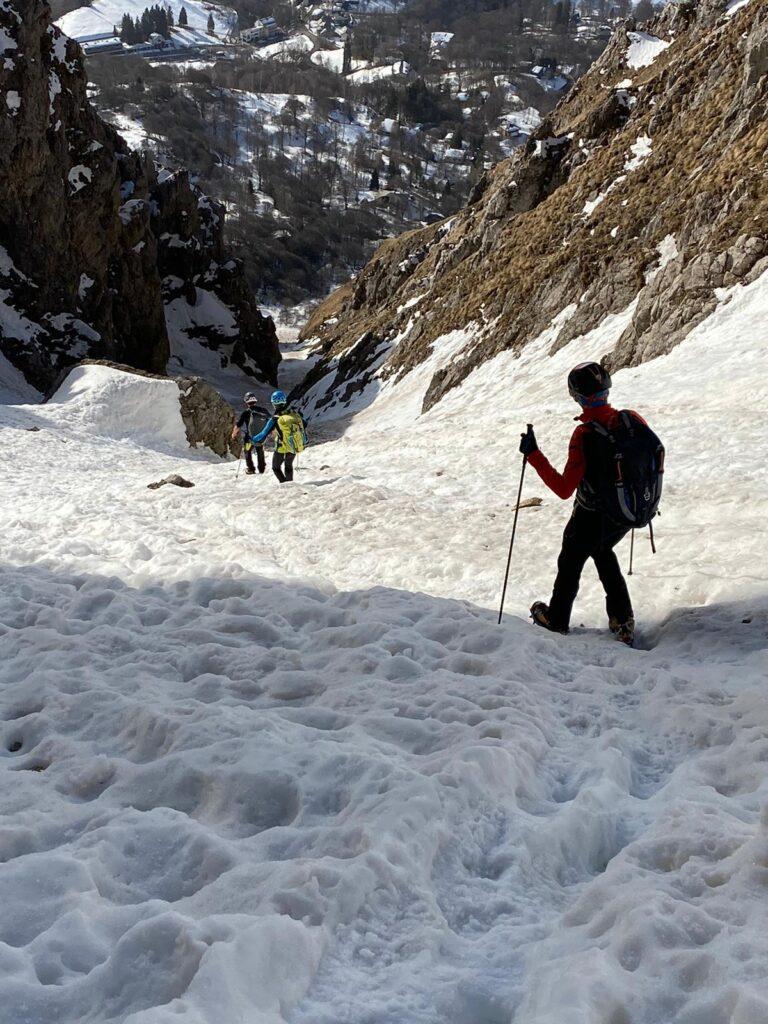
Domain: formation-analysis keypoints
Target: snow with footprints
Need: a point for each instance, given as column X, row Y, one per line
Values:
column 267, row 756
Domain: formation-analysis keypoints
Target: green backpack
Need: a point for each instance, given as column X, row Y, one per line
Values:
column 292, row 433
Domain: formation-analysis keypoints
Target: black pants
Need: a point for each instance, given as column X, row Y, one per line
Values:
column 589, row 535
column 259, row 449
column 278, row 460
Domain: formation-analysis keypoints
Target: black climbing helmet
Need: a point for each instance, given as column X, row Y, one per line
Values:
column 251, row 399
column 588, row 380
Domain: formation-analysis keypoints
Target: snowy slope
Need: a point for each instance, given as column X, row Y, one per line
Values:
column 270, row 759
column 102, row 15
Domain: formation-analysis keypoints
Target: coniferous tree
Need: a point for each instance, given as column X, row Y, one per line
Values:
column 211, row 24
column 346, row 65
column 374, row 183
column 183, row 20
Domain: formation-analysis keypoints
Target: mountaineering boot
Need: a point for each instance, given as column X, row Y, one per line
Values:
column 250, row 472
column 624, row 631
column 540, row 616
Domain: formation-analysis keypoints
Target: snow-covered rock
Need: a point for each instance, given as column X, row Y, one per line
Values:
column 107, row 400
column 643, row 49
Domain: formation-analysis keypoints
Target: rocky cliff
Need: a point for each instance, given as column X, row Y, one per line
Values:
column 90, row 239
column 646, row 186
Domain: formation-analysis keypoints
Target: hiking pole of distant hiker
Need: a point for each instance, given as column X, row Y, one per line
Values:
column 631, row 551
column 239, row 457
column 514, row 530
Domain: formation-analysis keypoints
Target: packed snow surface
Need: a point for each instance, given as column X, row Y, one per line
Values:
column 644, row 49
column 269, row 758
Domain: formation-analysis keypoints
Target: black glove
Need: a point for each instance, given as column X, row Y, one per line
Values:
column 528, row 442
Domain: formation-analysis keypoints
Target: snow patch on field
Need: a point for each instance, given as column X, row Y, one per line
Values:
column 368, row 75
column 643, row 49
column 100, row 17
column 284, row 49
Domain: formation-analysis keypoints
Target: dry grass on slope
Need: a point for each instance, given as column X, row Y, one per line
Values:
column 704, row 182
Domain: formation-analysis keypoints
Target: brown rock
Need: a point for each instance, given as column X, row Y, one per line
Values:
column 174, row 478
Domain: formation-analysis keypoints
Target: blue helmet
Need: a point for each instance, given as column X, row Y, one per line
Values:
column 278, row 398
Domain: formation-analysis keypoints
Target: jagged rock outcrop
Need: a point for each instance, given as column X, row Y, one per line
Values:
column 207, row 417
column 647, row 182
column 88, row 233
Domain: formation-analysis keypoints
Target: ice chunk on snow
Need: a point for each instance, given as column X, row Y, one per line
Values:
column 644, row 49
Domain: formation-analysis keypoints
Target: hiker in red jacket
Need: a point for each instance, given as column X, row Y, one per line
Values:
column 590, row 533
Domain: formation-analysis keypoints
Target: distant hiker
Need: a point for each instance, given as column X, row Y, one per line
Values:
column 290, row 438
column 250, row 422
column 615, row 465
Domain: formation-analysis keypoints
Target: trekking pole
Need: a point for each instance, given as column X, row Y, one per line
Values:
column 239, row 457
column 650, row 536
column 631, row 551
column 512, row 540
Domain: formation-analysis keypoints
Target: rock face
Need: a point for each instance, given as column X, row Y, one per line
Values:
column 646, row 183
column 88, row 233
column 208, row 418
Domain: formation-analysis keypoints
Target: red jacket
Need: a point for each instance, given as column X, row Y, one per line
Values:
column 565, row 483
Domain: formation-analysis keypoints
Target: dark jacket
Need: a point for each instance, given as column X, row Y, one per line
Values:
column 252, row 421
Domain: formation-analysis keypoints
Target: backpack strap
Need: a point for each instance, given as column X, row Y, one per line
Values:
column 626, row 418
column 601, row 430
